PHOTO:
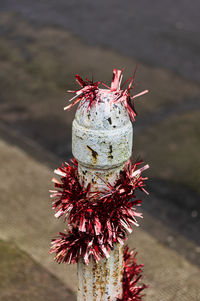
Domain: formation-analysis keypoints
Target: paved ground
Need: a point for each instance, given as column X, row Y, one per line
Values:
column 27, row 220
column 159, row 33
column 21, row 278
column 37, row 64
column 37, row 67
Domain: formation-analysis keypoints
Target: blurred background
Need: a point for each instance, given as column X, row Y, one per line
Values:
column 43, row 44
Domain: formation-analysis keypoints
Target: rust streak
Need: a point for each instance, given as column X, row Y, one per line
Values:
column 94, row 153
column 110, row 152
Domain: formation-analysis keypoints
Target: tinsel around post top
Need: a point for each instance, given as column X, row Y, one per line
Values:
column 98, row 220
column 90, row 92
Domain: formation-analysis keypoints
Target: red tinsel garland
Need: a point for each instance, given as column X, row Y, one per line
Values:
column 87, row 92
column 90, row 92
column 132, row 275
column 73, row 245
column 99, row 218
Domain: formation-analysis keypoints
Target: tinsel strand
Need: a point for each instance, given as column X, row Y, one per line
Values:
column 98, row 220
column 89, row 92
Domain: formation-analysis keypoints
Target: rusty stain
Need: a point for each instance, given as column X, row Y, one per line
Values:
column 102, row 278
column 94, row 153
column 109, row 120
column 99, row 281
column 85, row 281
column 116, row 264
column 107, row 276
column 108, row 176
column 110, row 152
column 121, row 254
column 88, row 114
column 85, row 289
column 94, row 281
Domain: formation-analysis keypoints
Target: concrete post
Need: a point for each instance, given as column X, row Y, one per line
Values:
column 101, row 143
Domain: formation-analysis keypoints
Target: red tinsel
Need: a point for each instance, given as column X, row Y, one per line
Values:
column 90, row 92
column 74, row 245
column 101, row 218
column 132, row 274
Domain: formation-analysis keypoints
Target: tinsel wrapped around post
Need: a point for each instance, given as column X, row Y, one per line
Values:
column 96, row 193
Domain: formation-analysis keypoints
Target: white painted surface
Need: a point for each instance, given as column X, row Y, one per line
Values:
column 101, row 143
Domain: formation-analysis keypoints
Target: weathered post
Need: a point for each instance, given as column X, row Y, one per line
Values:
column 96, row 193
column 101, row 143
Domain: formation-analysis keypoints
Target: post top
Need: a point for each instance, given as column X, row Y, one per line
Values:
column 104, row 115
column 102, row 133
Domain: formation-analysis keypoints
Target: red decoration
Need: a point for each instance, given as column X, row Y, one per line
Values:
column 101, row 218
column 98, row 220
column 73, row 245
column 132, row 275
column 90, row 92
column 87, row 92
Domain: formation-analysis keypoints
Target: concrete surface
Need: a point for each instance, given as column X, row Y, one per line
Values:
column 37, row 66
column 159, row 33
column 21, row 278
column 26, row 219
column 37, row 63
